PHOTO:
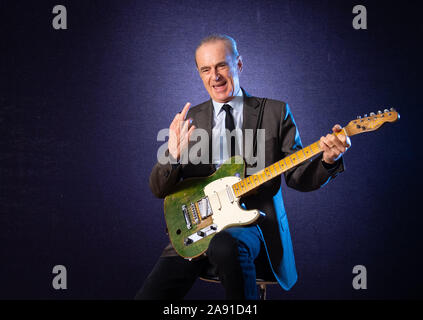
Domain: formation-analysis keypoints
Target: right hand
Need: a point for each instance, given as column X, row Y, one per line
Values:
column 180, row 131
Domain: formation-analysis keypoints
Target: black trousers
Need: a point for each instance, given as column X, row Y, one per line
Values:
column 232, row 252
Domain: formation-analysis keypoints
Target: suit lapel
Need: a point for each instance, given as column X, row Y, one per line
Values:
column 204, row 119
column 250, row 115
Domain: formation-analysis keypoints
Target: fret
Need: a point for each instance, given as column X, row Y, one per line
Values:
column 241, row 183
column 268, row 174
column 237, row 188
column 255, row 179
column 308, row 151
column 258, row 177
column 316, row 147
column 247, row 182
column 279, row 166
column 276, row 168
column 299, row 155
column 266, row 170
column 251, row 181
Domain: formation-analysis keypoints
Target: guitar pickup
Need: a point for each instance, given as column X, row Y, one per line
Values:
column 230, row 194
column 186, row 217
column 204, row 207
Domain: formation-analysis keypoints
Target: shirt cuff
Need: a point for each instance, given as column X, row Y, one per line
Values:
column 331, row 167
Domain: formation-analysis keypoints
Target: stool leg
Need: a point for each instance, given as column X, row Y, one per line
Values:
column 262, row 291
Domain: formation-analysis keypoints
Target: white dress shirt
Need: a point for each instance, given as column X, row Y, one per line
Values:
column 220, row 148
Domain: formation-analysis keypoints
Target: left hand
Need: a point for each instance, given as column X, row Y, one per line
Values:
column 334, row 146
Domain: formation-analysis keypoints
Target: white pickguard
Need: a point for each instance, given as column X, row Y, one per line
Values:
column 225, row 206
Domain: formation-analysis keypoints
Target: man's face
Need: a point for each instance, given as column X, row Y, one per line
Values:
column 218, row 70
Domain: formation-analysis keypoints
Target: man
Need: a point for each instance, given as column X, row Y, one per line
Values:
column 236, row 251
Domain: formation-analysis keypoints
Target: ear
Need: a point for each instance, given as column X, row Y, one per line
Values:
column 239, row 63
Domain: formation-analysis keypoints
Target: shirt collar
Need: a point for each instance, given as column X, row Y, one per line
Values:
column 236, row 103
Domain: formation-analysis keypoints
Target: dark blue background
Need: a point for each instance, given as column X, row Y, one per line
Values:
column 81, row 108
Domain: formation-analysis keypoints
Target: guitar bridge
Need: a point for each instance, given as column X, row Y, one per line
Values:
column 195, row 213
column 186, row 217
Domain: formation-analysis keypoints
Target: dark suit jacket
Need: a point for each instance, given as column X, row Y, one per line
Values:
column 281, row 139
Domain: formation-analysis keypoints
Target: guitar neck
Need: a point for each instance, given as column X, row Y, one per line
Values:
column 358, row 126
column 254, row 181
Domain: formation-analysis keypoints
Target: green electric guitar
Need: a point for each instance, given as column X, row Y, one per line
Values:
column 198, row 208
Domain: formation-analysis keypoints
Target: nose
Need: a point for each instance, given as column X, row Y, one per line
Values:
column 216, row 76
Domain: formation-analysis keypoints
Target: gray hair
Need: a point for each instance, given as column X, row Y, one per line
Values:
column 230, row 44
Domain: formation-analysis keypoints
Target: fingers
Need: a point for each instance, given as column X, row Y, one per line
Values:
column 185, row 138
column 331, row 150
column 184, row 126
column 336, row 128
column 180, row 131
column 180, row 116
column 334, row 145
column 184, row 112
column 333, row 141
column 180, row 142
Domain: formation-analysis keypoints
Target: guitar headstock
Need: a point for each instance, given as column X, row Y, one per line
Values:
column 372, row 122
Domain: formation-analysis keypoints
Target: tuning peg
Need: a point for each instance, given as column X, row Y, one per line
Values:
column 372, row 114
column 358, row 117
column 365, row 116
column 379, row 112
column 392, row 109
column 386, row 110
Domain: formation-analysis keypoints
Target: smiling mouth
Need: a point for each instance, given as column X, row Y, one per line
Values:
column 219, row 86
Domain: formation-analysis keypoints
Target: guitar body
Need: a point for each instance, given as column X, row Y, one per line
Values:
column 200, row 207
